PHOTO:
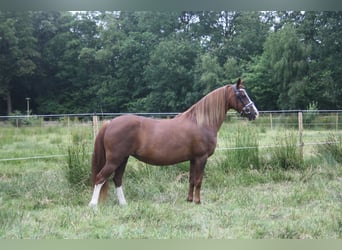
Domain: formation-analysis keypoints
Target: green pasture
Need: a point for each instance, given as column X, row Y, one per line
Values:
column 265, row 190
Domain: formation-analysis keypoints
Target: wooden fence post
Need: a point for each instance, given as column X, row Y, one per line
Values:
column 95, row 125
column 271, row 121
column 300, row 132
column 336, row 121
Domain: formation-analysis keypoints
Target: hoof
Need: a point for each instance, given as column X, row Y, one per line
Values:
column 93, row 206
column 189, row 200
column 123, row 204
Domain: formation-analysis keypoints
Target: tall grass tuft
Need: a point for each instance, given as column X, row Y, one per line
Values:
column 332, row 149
column 245, row 151
column 287, row 154
column 77, row 169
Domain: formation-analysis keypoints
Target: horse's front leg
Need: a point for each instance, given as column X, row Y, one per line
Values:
column 191, row 183
column 196, row 175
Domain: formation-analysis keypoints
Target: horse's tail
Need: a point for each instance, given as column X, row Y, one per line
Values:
column 99, row 160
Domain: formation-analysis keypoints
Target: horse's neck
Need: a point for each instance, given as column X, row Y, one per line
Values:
column 210, row 111
column 217, row 126
column 203, row 122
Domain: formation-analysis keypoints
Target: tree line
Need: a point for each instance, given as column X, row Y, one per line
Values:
column 76, row 62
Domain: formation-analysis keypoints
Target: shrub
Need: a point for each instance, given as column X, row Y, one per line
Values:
column 332, row 148
column 287, row 154
column 21, row 120
column 310, row 116
column 245, row 152
column 77, row 169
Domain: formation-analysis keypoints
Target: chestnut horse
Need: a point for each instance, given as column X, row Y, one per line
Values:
column 190, row 136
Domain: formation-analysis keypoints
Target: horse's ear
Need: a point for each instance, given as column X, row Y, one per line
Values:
column 239, row 83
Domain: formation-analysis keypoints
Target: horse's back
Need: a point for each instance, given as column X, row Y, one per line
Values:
column 132, row 130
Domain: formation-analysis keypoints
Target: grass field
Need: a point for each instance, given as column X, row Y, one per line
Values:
column 259, row 199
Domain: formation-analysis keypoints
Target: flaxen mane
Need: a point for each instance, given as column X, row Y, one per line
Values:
column 210, row 111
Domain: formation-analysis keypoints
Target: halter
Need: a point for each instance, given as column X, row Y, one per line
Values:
column 245, row 110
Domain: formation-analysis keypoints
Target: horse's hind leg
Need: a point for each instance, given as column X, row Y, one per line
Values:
column 96, row 195
column 118, row 182
column 101, row 179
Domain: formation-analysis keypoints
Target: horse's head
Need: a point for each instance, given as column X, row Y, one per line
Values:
column 243, row 103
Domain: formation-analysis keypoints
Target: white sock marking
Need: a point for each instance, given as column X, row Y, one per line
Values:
column 96, row 194
column 121, row 196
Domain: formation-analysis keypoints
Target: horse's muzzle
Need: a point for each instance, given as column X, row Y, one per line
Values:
column 250, row 111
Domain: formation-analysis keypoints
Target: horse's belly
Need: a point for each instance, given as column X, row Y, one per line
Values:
column 163, row 155
column 158, row 161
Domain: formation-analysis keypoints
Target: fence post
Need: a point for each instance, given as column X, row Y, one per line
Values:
column 95, row 125
column 336, row 121
column 300, row 132
column 271, row 121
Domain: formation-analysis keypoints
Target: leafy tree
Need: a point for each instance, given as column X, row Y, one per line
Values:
column 284, row 61
column 208, row 75
column 17, row 54
column 250, row 33
column 259, row 80
column 126, row 83
column 69, row 63
column 325, row 71
column 170, row 76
